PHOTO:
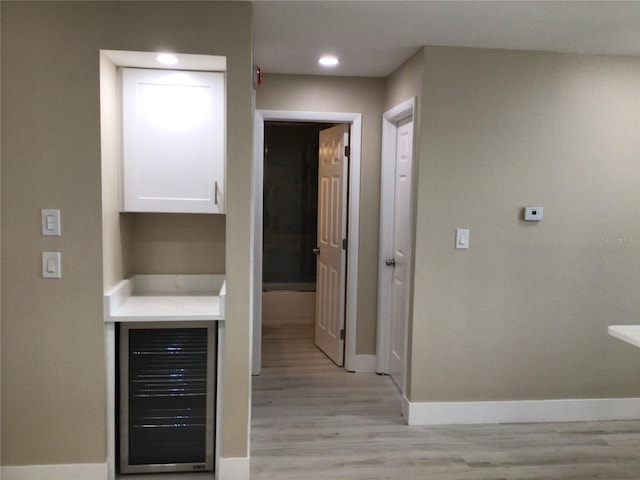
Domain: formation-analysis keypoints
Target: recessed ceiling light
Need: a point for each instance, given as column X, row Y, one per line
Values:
column 328, row 61
column 167, row 58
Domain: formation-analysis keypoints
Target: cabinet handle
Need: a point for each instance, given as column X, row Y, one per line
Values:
column 215, row 192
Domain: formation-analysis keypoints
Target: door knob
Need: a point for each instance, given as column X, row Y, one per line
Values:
column 390, row 262
column 316, row 250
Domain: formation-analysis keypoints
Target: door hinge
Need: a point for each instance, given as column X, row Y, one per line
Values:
column 347, row 151
column 342, row 334
column 344, row 243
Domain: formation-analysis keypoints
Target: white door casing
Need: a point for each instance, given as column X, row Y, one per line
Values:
column 352, row 361
column 331, row 257
column 396, row 228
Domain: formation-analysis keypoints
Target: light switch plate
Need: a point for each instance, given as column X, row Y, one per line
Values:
column 462, row 238
column 51, row 223
column 51, row 265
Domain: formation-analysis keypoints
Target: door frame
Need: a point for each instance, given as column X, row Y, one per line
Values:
column 353, row 222
column 390, row 119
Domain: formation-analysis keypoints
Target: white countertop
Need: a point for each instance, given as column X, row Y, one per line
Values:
column 626, row 333
column 154, row 298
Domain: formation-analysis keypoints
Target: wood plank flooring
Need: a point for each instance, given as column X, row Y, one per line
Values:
column 313, row 420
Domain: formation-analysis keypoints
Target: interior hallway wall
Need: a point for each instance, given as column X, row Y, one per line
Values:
column 355, row 95
column 523, row 313
column 53, row 363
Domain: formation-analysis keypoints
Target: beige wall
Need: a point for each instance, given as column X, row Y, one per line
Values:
column 0, row 245
column 354, row 95
column 406, row 81
column 177, row 243
column 523, row 313
column 53, row 365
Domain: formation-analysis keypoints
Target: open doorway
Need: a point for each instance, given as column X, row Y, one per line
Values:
column 262, row 118
column 290, row 217
column 290, row 205
column 305, row 206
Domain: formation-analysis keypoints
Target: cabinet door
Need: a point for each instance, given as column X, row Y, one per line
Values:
column 173, row 131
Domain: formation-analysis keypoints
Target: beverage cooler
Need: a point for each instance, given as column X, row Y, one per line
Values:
column 167, row 397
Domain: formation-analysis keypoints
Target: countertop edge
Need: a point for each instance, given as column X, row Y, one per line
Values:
column 162, row 318
column 627, row 333
column 121, row 304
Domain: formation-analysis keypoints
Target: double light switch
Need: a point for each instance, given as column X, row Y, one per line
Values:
column 51, row 228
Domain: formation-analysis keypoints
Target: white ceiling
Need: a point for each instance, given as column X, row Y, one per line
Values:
column 372, row 38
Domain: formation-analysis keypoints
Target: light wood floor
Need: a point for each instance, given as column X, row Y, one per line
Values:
column 312, row 420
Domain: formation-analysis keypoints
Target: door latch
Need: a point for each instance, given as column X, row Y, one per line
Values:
column 316, row 250
column 390, row 262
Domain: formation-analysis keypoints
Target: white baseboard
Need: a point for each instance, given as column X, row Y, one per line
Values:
column 233, row 468
column 85, row 471
column 521, row 411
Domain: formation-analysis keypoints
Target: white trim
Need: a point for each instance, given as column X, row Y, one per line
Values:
column 364, row 364
column 233, row 468
column 80, row 471
column 220, row 396
column 355, row 119
column 405, row 408
column 125, row 58
column 256, row 242
column 390, row 120
column 521, row 411
column 110, row 359
column 353, row 241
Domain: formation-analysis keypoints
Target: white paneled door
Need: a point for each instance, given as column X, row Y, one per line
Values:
column 331, row 256
column 401, row 245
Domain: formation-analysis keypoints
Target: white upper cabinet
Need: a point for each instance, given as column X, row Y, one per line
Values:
column 173, row 141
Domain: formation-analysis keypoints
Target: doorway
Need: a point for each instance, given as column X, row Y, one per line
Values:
column 396, row 232
column 261, row 118
column 290, row 204
column 290, row 217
